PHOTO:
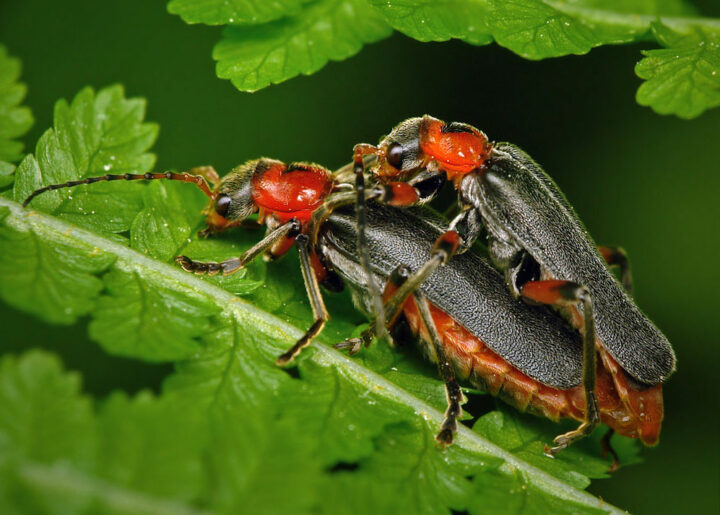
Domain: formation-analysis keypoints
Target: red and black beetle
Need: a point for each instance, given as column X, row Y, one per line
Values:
column 536, row 238
column 289, row 200
column 284, row 197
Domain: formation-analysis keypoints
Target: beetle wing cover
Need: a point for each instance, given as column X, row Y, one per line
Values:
column 533, row 339
column 519, row 200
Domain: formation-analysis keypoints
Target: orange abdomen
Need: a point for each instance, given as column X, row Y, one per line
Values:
column 630, row 412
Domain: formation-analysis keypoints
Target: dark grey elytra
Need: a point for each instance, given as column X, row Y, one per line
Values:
column 533, row 339
column 526, row 214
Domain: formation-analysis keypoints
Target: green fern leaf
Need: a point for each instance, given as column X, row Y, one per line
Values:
column 15, row 120
column 684, row 77
column 229, row 426
column 326, row 30
column 224, row 12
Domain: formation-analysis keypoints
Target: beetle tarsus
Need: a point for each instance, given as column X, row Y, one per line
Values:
column 607, row 448
column 354, row 345
column 445, row 436
column 564, row 440
column 351, row 345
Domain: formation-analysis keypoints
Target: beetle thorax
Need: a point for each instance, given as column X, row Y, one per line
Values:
column 456, row 148
column 292, row 191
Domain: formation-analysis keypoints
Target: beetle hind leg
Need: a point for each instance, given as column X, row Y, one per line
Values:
column 616, row 256
column 608, row 449
column 568, row 293
column 453, row 392
column 592, row 418
column 401, row 285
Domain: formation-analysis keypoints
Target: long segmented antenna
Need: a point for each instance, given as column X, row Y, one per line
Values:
column 198, row 180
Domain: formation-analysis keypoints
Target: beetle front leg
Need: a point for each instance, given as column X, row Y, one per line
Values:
column 232, row 265
column 320, row 315
column 419, row 190
column 567, row 293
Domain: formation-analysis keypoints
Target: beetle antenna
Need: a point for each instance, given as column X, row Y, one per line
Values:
column 198, row 180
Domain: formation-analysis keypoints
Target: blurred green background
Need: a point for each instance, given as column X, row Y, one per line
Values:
column 646, row 182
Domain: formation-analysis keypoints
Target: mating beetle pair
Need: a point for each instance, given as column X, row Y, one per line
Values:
column 472, row 325
column 547, row 256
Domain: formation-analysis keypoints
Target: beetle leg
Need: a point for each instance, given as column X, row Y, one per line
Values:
column 232, row 265
column 353, row 345
column 418, row 190
column 394, row 300
column 394, row 304
column 607, row 449
column 362, row 246
column 208, row 173
column 398, row 194
column 557, row 292
column 616, row 256
column 406, row 284
column 320, row 315
column 468, row 224
column 454, row 394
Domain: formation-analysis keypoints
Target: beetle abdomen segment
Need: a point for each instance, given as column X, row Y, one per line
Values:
column 629, row 411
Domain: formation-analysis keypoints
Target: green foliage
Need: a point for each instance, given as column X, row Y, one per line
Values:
column 93, row 135
column 438, row 20
column 263, row 46
column 229, row 431
column 536, row 29
column 253, row 57
column 15, row 120
column 519, row 434
column 684, row 77
column 48, row 274
column 224, row 12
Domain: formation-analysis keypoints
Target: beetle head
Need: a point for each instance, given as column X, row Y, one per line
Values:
column 399, row 152
column 233, row 201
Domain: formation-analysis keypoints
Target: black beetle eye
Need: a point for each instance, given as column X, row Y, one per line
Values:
column 394, row 155
column 221, row 204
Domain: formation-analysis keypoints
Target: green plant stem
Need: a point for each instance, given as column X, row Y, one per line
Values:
column 130, row 260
